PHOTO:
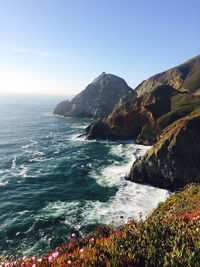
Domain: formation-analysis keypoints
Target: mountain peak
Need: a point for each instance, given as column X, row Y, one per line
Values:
column 97, row 100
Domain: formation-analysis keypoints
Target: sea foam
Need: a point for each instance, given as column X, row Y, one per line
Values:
column 131, row 201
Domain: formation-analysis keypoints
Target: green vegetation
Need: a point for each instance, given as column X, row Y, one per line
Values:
column 181, row 105
column 183, row 99
column 178, row 113
column 192, row 81
column 170, row 236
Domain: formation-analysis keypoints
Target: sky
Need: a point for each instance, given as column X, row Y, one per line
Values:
column 59, row 46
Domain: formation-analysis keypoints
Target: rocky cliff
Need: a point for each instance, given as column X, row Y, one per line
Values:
column 155, row 103
column 164, row 112
column 97, row 100
column 185, row 77
column 174, row 160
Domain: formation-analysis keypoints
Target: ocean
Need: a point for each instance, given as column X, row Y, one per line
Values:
column 53, row 184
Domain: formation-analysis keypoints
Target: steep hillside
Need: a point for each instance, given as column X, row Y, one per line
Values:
column 185, row 77
column 174, row 160
column 160, row 100
column 97, row 100
column 165, row 112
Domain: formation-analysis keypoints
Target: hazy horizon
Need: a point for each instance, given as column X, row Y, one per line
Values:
column 51, row 48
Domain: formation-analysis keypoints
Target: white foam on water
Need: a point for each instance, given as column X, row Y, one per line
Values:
column 13, row 165
column 76, row 138
column 132, row 201
column 34, row 154
column 23, row 171
column 38, row 153
column 3, row 179
column 31, row 144
column 2, row 171
column 114, row 174
column 37, row 156
column 80, row 126
column 69, row 210
column 26, row 146
column 2, row 183
column 58, row 208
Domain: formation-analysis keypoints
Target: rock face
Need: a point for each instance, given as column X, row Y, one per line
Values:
column 97, row 100
column 185, row 77
column 157, row 102
column 63, row 107
column 163, row 111
column 174, row 160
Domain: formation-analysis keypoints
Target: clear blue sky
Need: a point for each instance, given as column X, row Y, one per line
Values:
column 59, row 46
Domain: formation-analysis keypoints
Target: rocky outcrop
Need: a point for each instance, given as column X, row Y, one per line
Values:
column 120, row 124
column 185, row 77
column 97, row 100
column 63, row 107
column 174, row 160
column 164, row 112
column 157, row 102
column 99, row 130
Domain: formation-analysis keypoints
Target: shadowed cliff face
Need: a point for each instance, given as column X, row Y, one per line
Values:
column 97, row 100
column 159, row 101
column 174, row 160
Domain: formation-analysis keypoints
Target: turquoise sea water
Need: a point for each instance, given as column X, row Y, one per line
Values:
column 53, row 184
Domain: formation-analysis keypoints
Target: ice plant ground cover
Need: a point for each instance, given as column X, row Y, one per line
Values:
column 170, row 236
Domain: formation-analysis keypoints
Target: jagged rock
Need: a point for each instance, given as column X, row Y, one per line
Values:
column 174, row 160
column 97, row 100
column 154, row 104
column 165, row 112
column 135, row 117
column 98, row 130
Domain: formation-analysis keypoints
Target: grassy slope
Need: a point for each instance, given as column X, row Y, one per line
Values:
column 181, row 106
column 170, row 236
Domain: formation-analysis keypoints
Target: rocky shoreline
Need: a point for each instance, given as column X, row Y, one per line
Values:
column 163, row 111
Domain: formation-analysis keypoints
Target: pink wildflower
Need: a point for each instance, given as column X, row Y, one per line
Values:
column 73, row 235
column 55, row 254
column 34, row 265
column 81, row 250
column 50, row 258
column 39, row 260
column 69, row 262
